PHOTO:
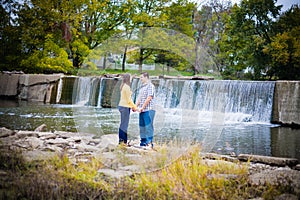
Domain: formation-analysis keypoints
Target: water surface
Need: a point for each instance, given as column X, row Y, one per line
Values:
column 223, row 136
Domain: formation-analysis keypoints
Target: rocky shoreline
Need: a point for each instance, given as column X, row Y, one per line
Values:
column 120, row 162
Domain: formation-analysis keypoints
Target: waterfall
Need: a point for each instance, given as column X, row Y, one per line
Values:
column 240, row 101
column 59, row 90
column 100, row 93
column 82, row 90
column 234, row 101
column 134, row 88
column 85, row 91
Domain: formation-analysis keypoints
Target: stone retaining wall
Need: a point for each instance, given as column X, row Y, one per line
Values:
column 29, row 87
column 9, row 84
column 286, row 104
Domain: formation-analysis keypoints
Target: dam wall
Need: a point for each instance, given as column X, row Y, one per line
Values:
column 57, row 88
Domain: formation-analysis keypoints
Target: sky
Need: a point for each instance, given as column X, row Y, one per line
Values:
column 286, row 3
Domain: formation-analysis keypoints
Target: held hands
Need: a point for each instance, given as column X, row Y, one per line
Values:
column 135, row 109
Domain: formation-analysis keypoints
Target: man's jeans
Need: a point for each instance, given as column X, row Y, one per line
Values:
column 146, row 127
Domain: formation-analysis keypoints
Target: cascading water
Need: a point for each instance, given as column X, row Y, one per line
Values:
column 59, row 90
column 240, row 101
column 191, row 101
column 205, row 110
column 85, row 91
column 100, row 93
column 82, row 89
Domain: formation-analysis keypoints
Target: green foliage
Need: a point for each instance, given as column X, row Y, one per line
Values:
column 284, row 48
column 250, row 36
column 50, row 60
column 256, row 40
column 10, row 43
column 79, row 51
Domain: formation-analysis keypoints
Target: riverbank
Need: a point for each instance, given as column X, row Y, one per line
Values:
column 38, row 164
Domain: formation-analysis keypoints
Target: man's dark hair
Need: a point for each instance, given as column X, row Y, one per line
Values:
column 145, row 74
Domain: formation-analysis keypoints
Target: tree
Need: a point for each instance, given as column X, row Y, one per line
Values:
column 200, row 21
column 39, row 19
column 250, row 28
column 75, row 26
column 50, row 60
column 148, row 14
column 217, row 25
column 284, row 48
column 10, row 43
column 178, row 18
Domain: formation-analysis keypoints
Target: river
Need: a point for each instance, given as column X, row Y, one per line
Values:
column 225, row 136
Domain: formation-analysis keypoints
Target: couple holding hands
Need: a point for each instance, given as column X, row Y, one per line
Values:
column 144, row 105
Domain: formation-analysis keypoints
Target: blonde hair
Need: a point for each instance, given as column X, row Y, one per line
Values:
column 125, row 80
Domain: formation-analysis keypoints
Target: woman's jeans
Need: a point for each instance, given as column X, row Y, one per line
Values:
column 146, row 127
column 125, row 114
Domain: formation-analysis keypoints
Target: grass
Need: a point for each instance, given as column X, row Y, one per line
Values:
column 188, row 177
column 157, row 72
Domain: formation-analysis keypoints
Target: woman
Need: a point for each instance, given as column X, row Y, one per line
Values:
column 125, row 105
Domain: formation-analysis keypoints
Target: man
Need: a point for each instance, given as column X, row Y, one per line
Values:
column 145, row 104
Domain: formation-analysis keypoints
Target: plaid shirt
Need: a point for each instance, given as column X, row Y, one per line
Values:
column 145, row 91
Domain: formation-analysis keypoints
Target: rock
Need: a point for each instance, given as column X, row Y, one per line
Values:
column 4, row 132
column 75, row 139
column 279, row 176
column 58, row 142
column 214, row 156
column 286, row 197
column 10, row 89
column 281, row 162
column 52, row 148
column 46, row 135
column 66, row 135
column 41, row 128
column 132, row 168
column 297, row 167
column 31, row 87
column 24, row 134
column 34, row 142
column 114, row 173
column 259, row 167
column 107, row 142
column 222, row 163
column 37, row 155
column 36, row 79
column 84, row 147
column 34, row 92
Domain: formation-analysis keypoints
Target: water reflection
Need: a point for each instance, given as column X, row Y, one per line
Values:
column 285, row 142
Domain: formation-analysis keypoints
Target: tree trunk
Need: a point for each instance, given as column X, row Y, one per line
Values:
column 124, row 58
column 196, row 65
column 104, row 62
column 141, row 60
